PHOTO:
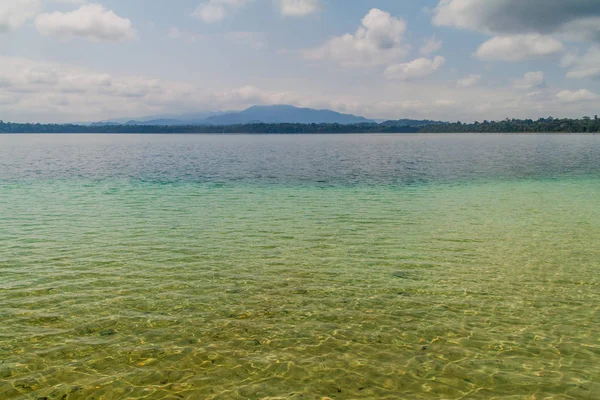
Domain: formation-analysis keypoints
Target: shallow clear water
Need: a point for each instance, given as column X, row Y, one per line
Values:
column 253, row 267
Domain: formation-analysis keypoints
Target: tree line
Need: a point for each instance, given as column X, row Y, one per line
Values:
column 225, row 129
column 547, row 125
column 554, row 125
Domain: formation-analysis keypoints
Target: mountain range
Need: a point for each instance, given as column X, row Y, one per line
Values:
column 257, row 114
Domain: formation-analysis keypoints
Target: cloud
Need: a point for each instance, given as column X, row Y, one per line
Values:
column 531, row 80
column 91, row 21
column 524, row 29
column 519, row 47
column 432, row 45
column 298, row 8
column 210, row 12
column 569, row 59
column 26, row 76
column 583, row 30
column 63, row 92
column 574, row 18
column 50, row 92
column 568, row 96
column 216, row 10
column 256, row 40
column 586, row 66
column 468, row 81
column 176, row 33
column 378, row 41
column 41, row 76
column 71, row 2
column 419, row 68
column 14, row 13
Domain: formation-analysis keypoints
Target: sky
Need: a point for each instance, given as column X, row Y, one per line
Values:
column 456, row 60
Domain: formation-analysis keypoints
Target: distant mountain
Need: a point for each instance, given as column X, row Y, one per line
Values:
column 166, row 119
column 107, row 123
column 164, row 122
column 279, row 114
column 257, row 114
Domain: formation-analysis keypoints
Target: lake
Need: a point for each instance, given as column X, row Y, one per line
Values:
column 300, row 266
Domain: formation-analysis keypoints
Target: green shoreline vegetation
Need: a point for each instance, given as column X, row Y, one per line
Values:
column 542, row 125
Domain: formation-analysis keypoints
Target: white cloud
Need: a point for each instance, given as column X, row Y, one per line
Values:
column 445, row 103
column 14, row 13
column 89, row 21
column 41, row 75
column 216, row 10
column 176, row 33
column 70, row 2
column 256, row 40
column 593, row 72
column 519, row 47
column 531, row 80
column 378, row 41
column 582, row 30
column 49, row 92
column 419, row 68
column 210, row 12
column 298, row 8
column 432, row 45
column 568, row 96
column 57, row 92
column 469, row 81
column 586, row 66
column 569, row 59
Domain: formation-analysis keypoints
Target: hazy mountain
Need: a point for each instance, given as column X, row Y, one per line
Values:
column 263, row 114
column 166, row 122
column 165, row 119
column 284, row 114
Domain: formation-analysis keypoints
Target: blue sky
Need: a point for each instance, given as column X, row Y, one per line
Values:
column 77, row 60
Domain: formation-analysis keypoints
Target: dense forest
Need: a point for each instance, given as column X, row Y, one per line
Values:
column 245, row 128
column 583, row 125
column 551, row 125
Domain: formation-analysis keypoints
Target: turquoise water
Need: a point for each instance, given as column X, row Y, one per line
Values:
column 272, row 267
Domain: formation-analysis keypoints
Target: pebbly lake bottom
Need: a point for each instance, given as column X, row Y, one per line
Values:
column 119, row 289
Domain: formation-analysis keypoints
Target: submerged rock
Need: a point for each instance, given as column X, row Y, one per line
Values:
column 27, row 383
column 5, row 372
